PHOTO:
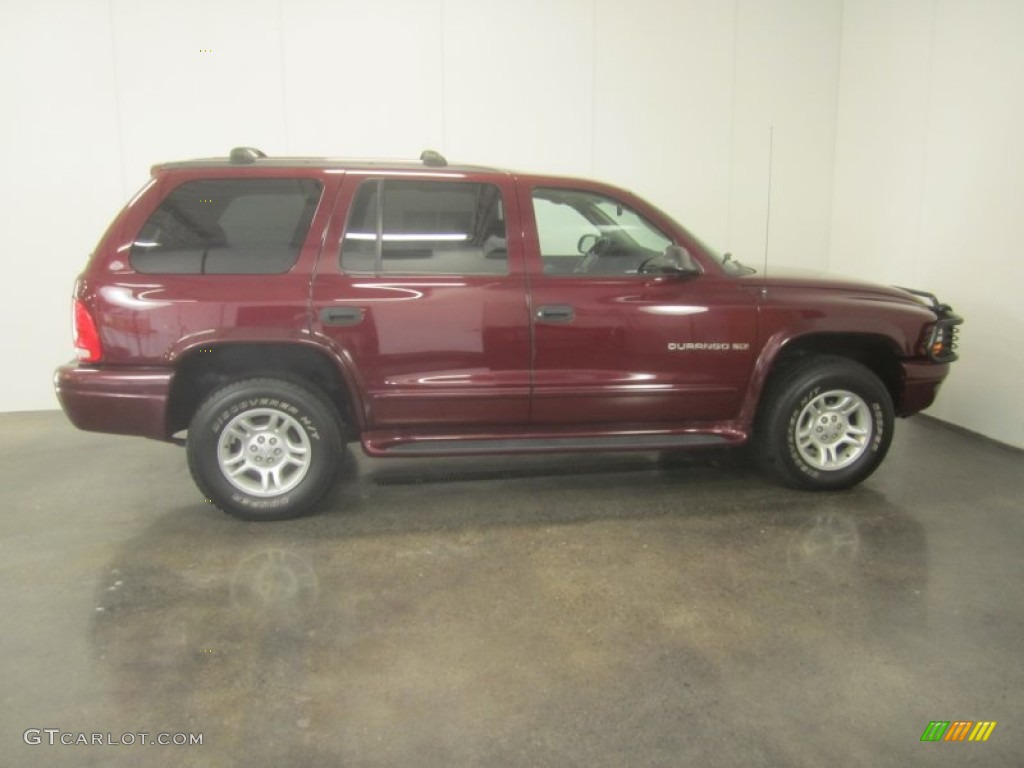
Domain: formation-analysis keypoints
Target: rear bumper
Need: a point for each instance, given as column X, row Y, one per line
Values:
column 921, row 380
column 123, row 401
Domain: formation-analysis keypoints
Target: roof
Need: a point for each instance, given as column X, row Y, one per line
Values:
column 241, row 157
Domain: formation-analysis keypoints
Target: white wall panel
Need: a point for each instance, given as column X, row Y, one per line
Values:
column 663, row 106
column 880, row 146
column 196, row 78
column 518, row 83
column 60, row 154
column 363, row 79
column 787, row 64
column 973, row 207
column 930, row 180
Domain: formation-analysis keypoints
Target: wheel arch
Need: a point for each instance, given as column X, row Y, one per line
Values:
column 878, row 353
column 207, row 367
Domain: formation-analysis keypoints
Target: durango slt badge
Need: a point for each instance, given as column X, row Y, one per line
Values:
column 713, row 346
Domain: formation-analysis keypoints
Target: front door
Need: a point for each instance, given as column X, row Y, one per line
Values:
column 617, row 348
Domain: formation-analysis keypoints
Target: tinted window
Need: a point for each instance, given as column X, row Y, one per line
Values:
column 425, row 228
column 228, row 227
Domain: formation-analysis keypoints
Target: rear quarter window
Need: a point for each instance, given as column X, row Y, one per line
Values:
column 228, row 227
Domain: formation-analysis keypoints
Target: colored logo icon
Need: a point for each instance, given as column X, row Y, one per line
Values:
column 958, row 730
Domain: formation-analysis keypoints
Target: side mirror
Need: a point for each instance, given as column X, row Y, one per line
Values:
column 682, row 259
column 676, row 261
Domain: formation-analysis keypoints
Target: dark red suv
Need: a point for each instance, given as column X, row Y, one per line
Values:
column 263, row 312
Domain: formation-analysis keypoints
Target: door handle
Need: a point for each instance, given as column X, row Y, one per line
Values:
column 341, row 315
column 556, row 313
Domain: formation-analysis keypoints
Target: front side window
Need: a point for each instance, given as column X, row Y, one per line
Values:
column 425, row 228
column 228, row 227
column 587, row 233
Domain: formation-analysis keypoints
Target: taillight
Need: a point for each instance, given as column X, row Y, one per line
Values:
column 87, row 338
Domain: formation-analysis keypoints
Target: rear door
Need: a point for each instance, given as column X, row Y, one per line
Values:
column 614, row 348
column 422, row 289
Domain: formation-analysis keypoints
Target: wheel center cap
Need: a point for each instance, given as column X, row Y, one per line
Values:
column 830, row 428
column 265, row 449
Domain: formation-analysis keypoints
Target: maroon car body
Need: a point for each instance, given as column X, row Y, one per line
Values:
column 535, row 350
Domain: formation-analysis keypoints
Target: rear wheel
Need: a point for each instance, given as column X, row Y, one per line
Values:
column 826, row 425
column 264, row 449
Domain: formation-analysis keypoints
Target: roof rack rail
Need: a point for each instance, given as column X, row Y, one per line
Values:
column 245, row 155
column 433, row 159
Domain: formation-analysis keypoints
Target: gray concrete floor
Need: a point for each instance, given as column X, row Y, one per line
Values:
column 615, row 610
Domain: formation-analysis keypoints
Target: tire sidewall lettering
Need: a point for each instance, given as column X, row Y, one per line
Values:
column 255, row 503
column 879, row 426
column 229, row 412
column 794, row 454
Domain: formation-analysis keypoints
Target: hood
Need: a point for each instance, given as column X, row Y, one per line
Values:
column 783, row 277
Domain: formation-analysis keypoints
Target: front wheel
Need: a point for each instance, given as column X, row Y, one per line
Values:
column 264, row 449
column 826, row 425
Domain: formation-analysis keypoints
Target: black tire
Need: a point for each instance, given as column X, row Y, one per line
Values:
column 825, row 424
column 279, row 442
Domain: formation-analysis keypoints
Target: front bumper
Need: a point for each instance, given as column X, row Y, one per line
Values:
column 123, row 401
column 921, row 381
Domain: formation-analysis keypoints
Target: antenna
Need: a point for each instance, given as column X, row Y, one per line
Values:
column 768, row 209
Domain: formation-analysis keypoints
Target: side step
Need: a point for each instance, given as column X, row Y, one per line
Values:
column 377, row 445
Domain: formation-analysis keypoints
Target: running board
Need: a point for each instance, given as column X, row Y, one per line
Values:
column 393, row 446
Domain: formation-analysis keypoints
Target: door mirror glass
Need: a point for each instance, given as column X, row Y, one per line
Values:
column 676, row 260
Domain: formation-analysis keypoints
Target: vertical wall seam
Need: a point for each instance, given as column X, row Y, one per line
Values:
column 444, row 80
column 925, row 141
column 284, row 77
column 118, row 121
column 841, row 43
column 731, row 195
column 593, row 88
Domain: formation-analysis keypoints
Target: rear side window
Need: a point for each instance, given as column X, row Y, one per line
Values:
column 425, row 228
column 228, row 227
